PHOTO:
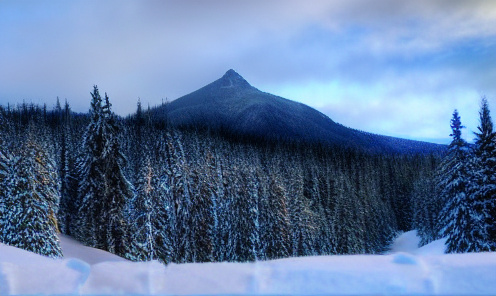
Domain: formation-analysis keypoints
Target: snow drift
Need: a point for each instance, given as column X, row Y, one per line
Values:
column 405, row 270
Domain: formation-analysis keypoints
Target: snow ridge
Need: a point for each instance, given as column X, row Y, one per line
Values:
column 409, row 271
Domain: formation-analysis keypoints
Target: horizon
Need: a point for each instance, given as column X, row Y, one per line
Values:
column 391, row 68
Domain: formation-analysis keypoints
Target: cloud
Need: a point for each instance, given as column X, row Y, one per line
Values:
column 383, row 54
column 415, row 106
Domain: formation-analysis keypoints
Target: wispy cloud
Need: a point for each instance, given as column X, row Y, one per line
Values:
column 386, row 66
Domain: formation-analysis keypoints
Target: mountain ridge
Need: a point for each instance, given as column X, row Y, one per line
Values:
column 232, row 103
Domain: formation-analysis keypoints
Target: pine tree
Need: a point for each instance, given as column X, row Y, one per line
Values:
column 243, row 211
column 32, row 199
column 104, row 190
column 141, row 241
column 163, row 204
column 202, row 209
column 91, row 176
column 348, row 230
column 4, row 173
column 118, row 190
column 456, row 216
column 278, row 240
column 482, row 190
column 68, row 178
column 302, row 222
column 327, row 202
column 151, row 233
column 177, row 177
column 426, row 207
column 214, row 175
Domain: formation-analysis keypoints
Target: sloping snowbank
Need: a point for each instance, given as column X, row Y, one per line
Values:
column 409, row 270
column 74, row 249
column 408, row 243
column 23, row 272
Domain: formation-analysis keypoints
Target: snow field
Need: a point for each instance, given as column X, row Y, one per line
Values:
column 405, row 270
column 22, row 272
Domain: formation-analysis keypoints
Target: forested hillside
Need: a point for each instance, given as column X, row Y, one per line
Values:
column 143, row 189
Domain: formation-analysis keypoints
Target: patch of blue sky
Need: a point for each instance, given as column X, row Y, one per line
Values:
column 386, row 108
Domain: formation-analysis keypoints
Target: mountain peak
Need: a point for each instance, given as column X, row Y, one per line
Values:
column 233, row 79
column 231, row 105
column 232, row 73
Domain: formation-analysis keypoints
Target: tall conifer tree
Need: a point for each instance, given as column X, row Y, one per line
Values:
column 483, row 186
column 91, row 172
column 4, row 173
column 103, row 190
column 455, row 217
column 32, row 197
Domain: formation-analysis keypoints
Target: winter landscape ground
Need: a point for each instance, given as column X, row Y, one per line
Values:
column 405, row 270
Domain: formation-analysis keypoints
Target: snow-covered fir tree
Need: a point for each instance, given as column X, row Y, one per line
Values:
column 178, row 174
column 103, row 190
column 150, row 239
column 326, row 203
column 482, row 189
column 32, row 197
column 426, row 208
column 302, row 222
column 118, row 190
column 213, row 176
column 277, row 242
column 68, row 174
column 457, row 216
column 91, row 176
column 202, row 210
column 142, row 239
column 4, row 173
column 243, row 213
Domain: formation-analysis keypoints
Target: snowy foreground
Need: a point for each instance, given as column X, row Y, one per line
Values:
column 406, row 270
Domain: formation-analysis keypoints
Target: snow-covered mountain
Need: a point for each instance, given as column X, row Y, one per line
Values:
column 232, row 104
column 406, row 270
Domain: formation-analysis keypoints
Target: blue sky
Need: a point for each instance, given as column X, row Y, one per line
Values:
column 391, row 67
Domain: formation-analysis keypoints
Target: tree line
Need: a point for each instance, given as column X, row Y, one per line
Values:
column 145, row 190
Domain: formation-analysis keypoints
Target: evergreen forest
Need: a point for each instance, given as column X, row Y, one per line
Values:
column 144, row 189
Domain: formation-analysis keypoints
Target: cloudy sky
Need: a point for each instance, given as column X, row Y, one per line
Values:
column 391, row 67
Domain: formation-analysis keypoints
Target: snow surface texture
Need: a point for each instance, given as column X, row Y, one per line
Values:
column 405, row 270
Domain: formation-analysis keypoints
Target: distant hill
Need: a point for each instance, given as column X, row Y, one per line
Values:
column 232, row 103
